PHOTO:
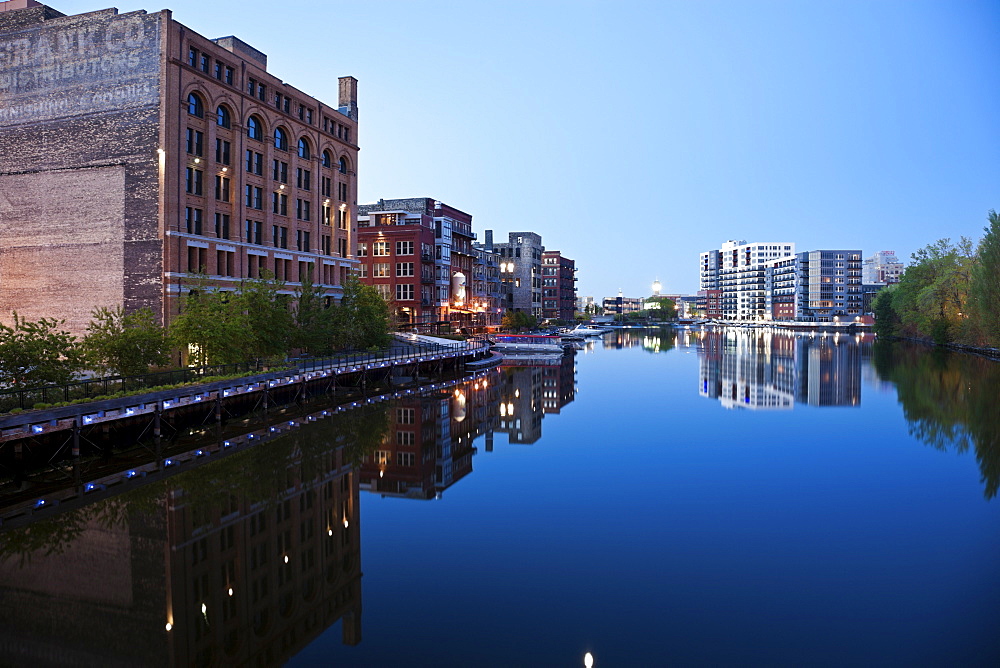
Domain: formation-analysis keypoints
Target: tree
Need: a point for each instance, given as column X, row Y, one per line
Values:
column 932, row 295
column 206, row 326
column 125, row 343
column 363, row 319
column 313, row 320
column 667, row 309
column 518, row 320
column 264, row 318
column 887, row 321
column 35, row 353
column 985, row 287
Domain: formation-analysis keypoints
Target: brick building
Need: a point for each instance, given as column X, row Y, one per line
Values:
column 558, row 286
column 182, row 154
column 418, row 253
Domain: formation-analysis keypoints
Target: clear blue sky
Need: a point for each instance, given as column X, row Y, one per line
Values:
column 634, row 135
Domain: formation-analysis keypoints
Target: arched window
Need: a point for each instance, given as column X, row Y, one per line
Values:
column 280, row 139
column 304, row 152
column 195, row 106
column 223, row 117
column 255, row 129
column 343, row 165
column 327, row 159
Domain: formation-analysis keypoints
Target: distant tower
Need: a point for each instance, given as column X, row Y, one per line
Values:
column 656, row 288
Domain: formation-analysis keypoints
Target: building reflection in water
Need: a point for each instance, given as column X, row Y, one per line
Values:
column 429, row 444
column 772, row 370
column 241, row 561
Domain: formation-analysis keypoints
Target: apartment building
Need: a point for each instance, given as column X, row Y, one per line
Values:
column 173, row 155
column 558, row 286
column 882, row 268
column 520, row 271
column 738, row 270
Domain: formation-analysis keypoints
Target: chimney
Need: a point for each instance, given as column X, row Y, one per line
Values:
column 489, row 240
column 348, row 104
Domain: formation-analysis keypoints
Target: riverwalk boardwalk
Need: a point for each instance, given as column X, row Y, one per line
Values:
column 407, row 352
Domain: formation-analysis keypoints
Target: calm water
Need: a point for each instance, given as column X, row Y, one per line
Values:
column 695, row 499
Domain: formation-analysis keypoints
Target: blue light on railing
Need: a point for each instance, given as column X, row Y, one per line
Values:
column 130, row 474
column 291, row 423
column 168, row 462
column 199, row 453
column 37, row 428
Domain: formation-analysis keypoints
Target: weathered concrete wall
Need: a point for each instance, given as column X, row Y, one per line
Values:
column 79, row 179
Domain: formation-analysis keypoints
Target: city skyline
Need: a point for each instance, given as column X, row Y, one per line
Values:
column 855, row 125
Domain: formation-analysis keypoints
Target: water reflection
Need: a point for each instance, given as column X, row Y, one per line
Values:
column 768, row 370
column 428, row 446
column 949, row 401
column 243, row 561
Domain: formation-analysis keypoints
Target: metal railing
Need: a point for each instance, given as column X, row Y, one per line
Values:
column 91, row 388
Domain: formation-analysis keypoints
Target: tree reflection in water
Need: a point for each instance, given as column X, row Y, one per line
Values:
column 950, row 400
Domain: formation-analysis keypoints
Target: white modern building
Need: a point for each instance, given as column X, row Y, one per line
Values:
column 738, row 270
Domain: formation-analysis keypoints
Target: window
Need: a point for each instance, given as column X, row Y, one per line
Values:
column 342, row 192
column 252, row 87
column 192, row 220
column 279, row 204
column 261, row 92
column 222, row 225
column 404, row 248
column 327, row 159
column 255, row 163
column 229, row 75
column 279, row 235
column 342, row 247
column 325, row 244
column 304, row 152
column 405, row 458
column 325, row 214
column 193, row 57
column 384, row 290
column 303, row 178
column 363, row 250
column 404, row 292
column 342, row 166
column 302, row 209
column 404, row 269
column 380, row 270
column 254, row 232
column 218, row 70
column 222, row 149
column 255, row 128
column 325, row 186
column 194, row 141
column 405, row 415
column 193, row 181
column 280, row 139
column 206, row 63
column 342, row 219
column 223, row 118
column 195, row 106
column 380, row 248
column 254, row 197
column 221, row 188
column 302, row 241
column 279, row 170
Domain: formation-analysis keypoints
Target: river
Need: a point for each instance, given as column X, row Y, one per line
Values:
column 659, row 498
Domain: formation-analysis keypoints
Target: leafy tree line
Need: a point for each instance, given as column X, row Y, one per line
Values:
column 950, row 293
column 253, row 322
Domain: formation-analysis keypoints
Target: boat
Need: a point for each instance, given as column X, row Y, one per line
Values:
column 583, row 330
column 527, row 343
